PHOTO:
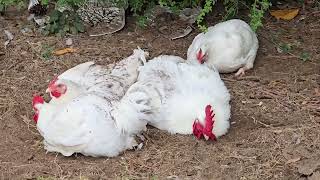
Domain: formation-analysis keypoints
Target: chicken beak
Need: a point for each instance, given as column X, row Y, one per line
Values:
column 48, row 90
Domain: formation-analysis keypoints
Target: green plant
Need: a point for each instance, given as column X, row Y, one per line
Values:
column 286, row 47
column 177, row 5
column 5, row 3
column 142, row 21
column 69, row 21
column 74, row 4
column 64, row 22
column 206, row 9
column 291, row 48
column 231, row 8
column 46, row 51
column 258, row 8
column 304, row 56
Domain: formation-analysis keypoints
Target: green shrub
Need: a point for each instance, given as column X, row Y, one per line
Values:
column 142, row 9
column 5, row 3
column 64, row 22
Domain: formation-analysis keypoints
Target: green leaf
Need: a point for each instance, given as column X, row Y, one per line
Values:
column 66, row 28
column 61, row 33
column 79, row 26
column 54, row 28
column 62, row 20
column 286, row 47
column 2, row 8
column 54, row 16
column 304, row 56
column 45, row 2
column 73, row 30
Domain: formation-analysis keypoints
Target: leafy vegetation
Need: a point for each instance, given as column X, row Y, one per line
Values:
column 64, row 22
column 206, row 9
column 69, row 22
column 5, row 3
column 46, row 51
column 256, row 13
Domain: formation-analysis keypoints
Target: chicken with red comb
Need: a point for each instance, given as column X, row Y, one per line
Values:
column 228, row 46
column 86, row 116
column 179, row 97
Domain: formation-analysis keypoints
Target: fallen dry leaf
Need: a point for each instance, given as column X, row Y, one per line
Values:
column 64, row 51
column 286, row 14
column 293, row 160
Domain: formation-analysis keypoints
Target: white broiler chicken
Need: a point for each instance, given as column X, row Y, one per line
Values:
column 228, row 46
column 181, row 97
column 84, row 115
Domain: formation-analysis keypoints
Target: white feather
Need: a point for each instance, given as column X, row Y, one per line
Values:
column 90, row 77
column 83, row 125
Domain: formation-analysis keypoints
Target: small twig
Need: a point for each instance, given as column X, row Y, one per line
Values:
column 251, row 78
column 315, row 12
column 228, row 79
column 257, row 121
column 270, row 93
column 13, row 65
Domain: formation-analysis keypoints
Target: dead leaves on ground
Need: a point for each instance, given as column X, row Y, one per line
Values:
column 64, row 51
column 286, row 14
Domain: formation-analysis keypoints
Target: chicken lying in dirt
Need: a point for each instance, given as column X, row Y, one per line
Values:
column 181, row 97
column 228, row 46
column 85, row 116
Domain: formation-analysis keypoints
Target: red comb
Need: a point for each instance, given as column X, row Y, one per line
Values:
column 197, row 129
column 209, row 122
column 37, row 100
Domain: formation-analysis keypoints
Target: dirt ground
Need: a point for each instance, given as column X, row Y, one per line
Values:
column 275, row 120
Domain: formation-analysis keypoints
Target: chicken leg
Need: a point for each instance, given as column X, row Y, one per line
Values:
column 241, row 72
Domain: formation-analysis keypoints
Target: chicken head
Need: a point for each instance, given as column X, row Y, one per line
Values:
column 56, row 89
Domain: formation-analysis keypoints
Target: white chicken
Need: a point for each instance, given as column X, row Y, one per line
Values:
column 89, row 76
column 181, row 97
column 229, row 46
column 84, row 115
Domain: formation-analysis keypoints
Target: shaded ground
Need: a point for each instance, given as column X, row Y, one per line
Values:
column 274, row 134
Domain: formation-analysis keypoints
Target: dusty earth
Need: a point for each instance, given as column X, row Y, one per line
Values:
column 275, row 131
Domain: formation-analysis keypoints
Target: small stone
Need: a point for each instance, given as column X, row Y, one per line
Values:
column 69, row 42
